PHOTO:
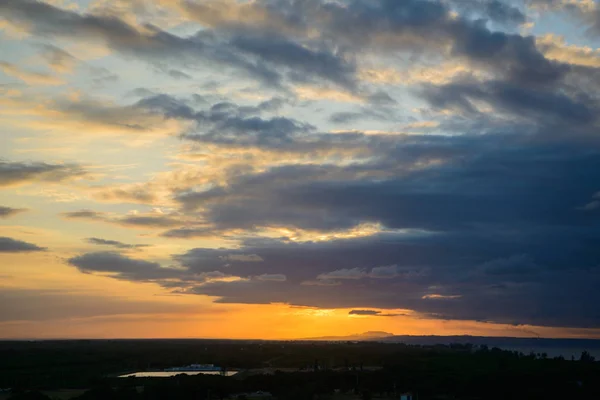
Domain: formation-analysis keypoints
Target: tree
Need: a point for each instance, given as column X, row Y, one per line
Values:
column 586, row 357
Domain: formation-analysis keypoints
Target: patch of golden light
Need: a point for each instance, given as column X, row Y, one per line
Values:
column 325, row 93
column 556, row 48
column 440, row 296
column 584, row 5
column 299, row 235
column 315, row 312
column 214, row 13
column 434, row 74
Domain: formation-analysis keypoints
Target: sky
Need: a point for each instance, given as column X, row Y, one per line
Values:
column 284, row 169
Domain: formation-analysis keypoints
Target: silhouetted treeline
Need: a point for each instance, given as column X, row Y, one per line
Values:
column 452, row 372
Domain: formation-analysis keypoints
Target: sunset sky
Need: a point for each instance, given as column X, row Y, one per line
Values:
column 296, row 168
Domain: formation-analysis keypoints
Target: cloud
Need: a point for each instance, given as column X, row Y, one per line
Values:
column 127, row 193
column 472, row 198
column 364, row 312
column 31, row 78
column 271, row 277
column 441, row 297
column 243, row 257
column 345, row 117
column 496, row 10
column 189, row 233
column 519, row 101
column 85, row 214
column 19, row 173
column 556, row 48
column 77, row 113
column 372, row 313
column 346, row 273
column 153, row 220
column 9, row 245
column 146, row 42
column 114, row 243
column 6, row 212
column 173, row 73
column 119, row 266
column 304, row 61
column 58, row 59
column 160, row 221
column 514, row 265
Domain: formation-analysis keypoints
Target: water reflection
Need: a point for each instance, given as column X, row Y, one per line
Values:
column 166, row 374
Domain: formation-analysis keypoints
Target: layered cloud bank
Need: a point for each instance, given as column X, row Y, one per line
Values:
column 436, row 157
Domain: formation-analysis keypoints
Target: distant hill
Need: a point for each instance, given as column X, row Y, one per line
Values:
column 553, row 347
column 365, row 336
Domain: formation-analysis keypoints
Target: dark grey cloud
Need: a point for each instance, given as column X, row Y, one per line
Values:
column 173, row 73
column 9, row 245
column 6, row 212
column 114, row 243
column 372, row 313
column 463, row 283
column 85, row 214
column 152, row 44
column 303, row 61
column 537, row 105
column 119, row 266
column 473, row 183
column 159, row 221
column 364, row 312
column 189, row 233
column 420, row 26
column 257, row 54
column 496, row 225
column 296, row 55
column 227, row 123
column 14, row 173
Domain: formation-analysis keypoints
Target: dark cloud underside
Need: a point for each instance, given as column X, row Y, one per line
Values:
column 9, row 245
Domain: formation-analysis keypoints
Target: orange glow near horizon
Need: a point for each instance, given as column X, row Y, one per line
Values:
column 268, row 322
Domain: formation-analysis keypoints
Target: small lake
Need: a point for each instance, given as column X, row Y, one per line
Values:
column 166, row 374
